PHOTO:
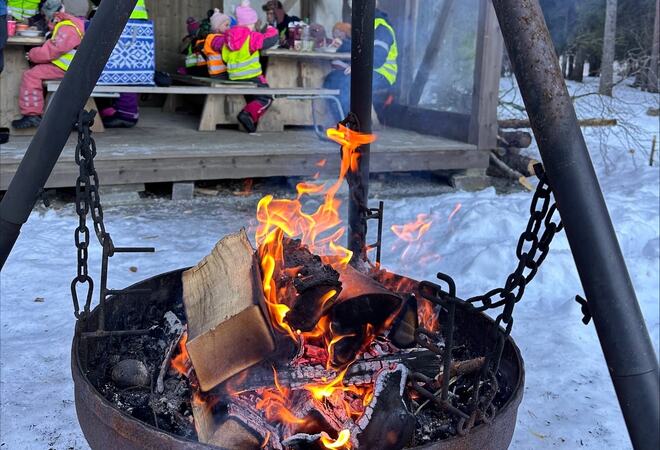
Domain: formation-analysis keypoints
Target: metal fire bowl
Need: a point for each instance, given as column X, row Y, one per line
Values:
column 106, row 427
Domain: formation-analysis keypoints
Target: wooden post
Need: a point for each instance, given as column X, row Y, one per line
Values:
column 431, row 53
column 487, row 68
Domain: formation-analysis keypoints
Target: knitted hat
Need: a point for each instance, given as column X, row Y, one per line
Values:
column 343, row 27
column 245, row 14
column 217, row 20
column 192, row 25
column 50, row 7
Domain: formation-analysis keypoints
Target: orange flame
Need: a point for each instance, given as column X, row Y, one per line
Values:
column 181, row 362
column 456, row 209
column 319, row 230
column 428, row 318
column 412, row 232
column 342, row 440
column 276, row 405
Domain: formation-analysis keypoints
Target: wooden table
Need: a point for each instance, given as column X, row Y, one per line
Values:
column 290, row 68
column 10, row 79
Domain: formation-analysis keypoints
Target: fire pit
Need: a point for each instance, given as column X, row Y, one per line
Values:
column 106, row 425
column 298, row 345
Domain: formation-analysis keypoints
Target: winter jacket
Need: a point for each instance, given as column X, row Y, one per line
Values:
column 66, row 40
column 383, row 35
column 235, row 38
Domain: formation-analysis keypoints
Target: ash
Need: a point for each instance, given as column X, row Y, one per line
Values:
column 169, row 411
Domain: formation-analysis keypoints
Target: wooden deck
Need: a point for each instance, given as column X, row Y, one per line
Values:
column 167, row 147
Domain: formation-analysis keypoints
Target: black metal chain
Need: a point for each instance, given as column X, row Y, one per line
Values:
column 87, row 201
column 532, row 249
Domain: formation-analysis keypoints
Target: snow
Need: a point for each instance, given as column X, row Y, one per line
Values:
column 569, row 401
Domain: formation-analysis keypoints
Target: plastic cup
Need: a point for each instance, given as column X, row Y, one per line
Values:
column 11, row 28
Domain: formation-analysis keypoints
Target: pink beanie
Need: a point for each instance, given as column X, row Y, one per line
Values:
column 217, row 19
column 245, row 15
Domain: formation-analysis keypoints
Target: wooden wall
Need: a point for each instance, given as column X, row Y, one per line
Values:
column 169, row 18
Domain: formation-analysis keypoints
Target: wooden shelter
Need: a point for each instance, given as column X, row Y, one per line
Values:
column 444, row 116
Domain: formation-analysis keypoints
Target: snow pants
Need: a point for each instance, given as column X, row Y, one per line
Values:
column 126, row 107
column 31, row 94
column 257, row 105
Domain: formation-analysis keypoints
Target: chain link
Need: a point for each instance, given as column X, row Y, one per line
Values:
column 87, row 202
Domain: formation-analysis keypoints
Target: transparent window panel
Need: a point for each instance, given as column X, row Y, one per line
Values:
column 451, row 78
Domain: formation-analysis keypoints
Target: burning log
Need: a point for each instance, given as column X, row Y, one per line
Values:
column 386, row 423
column 405, row 324
column 362, row 371
column 317, row 285
column 363, row 308
column 228, row 324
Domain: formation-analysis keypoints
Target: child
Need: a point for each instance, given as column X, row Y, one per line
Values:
column 241, row 55
column 51, row 61
column 213, row 44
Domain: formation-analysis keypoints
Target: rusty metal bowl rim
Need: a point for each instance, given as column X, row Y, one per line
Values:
column 110, row 410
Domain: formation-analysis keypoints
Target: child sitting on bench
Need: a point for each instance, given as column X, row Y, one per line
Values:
column 241, row 55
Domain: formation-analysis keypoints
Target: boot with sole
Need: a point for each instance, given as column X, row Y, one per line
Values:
column 245, row 119
column 26, row 122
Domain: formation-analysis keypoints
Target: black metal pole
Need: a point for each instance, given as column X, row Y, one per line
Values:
column 362, row 66
column 618, row 320
column 47, row 144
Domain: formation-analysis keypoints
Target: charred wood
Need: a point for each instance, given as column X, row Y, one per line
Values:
column 387, row 423
column 316, row 284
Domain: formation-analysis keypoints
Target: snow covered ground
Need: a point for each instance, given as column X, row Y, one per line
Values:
column 569, row 401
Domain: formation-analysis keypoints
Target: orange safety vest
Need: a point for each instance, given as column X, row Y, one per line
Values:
column 216, row 65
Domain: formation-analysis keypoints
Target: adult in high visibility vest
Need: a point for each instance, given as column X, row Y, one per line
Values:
column 241, row 55
column 386, row 69
column 51, row 60
column 386, row 54
column 213, row 44
column 22, row 10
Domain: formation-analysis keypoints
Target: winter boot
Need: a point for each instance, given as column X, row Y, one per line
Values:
column 245, row 119
column 116, row 122
column 26, row 122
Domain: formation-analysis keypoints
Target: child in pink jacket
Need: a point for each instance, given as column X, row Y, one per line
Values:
column 50, row 61
column 240, row 52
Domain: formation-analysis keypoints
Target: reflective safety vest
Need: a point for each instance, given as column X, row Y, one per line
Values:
column 23, row 9
column 216, row 65
column 64, row 61
column 390, row 69
column 241, row 64
column 193, row 58
column 140, row 11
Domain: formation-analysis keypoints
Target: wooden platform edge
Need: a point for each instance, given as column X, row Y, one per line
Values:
column 130, row 170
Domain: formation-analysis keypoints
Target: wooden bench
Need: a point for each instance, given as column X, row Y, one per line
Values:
column 223, row 101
